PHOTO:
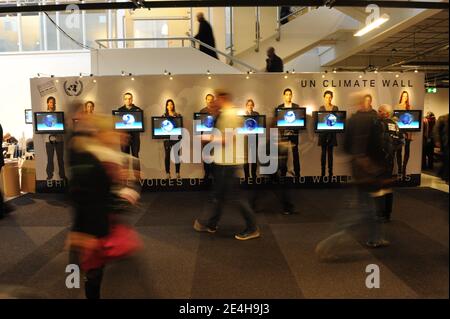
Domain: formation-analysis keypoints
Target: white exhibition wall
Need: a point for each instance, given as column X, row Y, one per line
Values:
column 188, row 92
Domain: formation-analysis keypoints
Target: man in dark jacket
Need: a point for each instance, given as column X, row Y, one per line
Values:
column 273, row 61
column 132, row 143
column 289, row 139
column 205, row 35
column 441, row 137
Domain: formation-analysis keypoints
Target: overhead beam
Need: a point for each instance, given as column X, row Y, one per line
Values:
column 23, row 8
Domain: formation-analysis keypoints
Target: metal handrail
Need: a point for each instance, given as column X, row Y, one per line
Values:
column 279, row 20
column 182, row 39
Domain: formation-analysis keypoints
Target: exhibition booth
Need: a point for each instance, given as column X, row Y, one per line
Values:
column 151, row 129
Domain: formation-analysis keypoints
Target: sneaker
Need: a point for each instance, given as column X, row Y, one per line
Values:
column 178, row 176
column 246, row 235
column 202, row 228
column 168, row 176
column 378, row 244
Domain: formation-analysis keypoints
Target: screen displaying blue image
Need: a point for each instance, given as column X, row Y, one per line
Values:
column 408, row 120
column 291, row 117
column 49, row 122
column 129, row 121
column 253, row 124
column 165, row 127
column 330, row 121
column 203, row 122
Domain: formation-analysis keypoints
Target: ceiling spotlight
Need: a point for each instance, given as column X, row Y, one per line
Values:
column 207, row 72
column 123, row 73
column 293, row 71
column 247, row 77
column 165, row 72
column 334, row 71
column 376, row 71
column 57, row 81
column 416, row 71
column 95, row 81
column 81, row 75
column 91, row 75
column 209, row 77
column 132, row 79
column 397, row 75
column 171, row 78
column 323, row 76
column 360, row 76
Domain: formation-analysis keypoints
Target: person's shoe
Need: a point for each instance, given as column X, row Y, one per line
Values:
column 168, row 176
column 248, row 234
column 378, row 244
column 203, row 228
column 287, row 212
column 178, row 176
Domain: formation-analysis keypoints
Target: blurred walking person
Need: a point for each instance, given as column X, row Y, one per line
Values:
column 99, row 196
column 429, row 122
column 227, row 162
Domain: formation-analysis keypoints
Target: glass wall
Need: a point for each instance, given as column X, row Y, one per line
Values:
column 8, row 33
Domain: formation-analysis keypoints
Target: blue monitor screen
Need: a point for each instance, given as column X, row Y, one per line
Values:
column 129, row 121
column 49, row 122
column 330, row 121
column 291, row 117
column 165, row 127
column 408, row 120
column 203, row 122
column 252, row 124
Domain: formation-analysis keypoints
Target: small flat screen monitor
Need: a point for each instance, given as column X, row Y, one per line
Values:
column 252, row 124
column 204, row 122
column 408, row 121
column 165, row 127
column 49, row 122
column 28, row 116
column 129, row 121
column 293, row 118
column 329, row 121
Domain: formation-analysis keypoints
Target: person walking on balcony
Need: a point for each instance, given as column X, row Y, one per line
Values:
column 205, row 35
column 273, row 61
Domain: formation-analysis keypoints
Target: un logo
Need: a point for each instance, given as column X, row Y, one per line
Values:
column 73, row 87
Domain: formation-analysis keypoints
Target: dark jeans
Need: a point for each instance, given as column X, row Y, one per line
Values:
column 226, row 189
column 427, row 154
column 168, row 144
column 133, row 149
column 93, row 282
column 383, row 205
column 51, row 148
column 292, row 142
column 401, row 164
column 251, row 168
column 327, row 149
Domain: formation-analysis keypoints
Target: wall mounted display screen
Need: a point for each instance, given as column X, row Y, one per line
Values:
column 253, row 124
column 291, row 118
column 165, row 127
column 204, row 122
column 333, row 121
column 28, row 116
column 49, row 122
column 129, row 121
column 408, row 121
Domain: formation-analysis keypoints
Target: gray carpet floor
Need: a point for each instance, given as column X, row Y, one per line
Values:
column 177, row 262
